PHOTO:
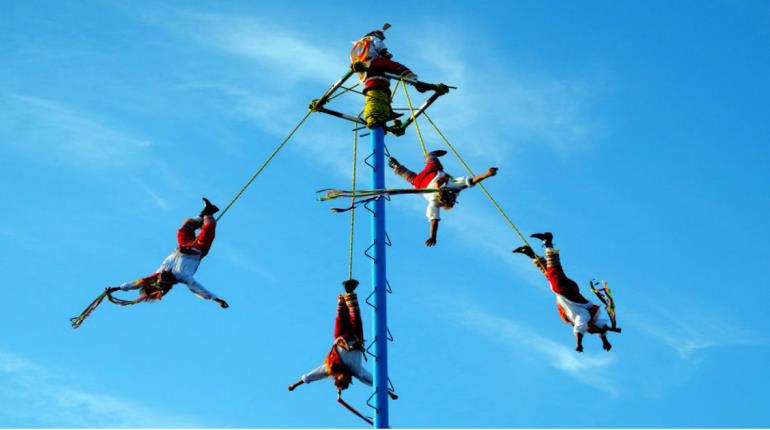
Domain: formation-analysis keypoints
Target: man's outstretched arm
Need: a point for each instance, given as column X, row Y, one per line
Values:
column 433, row 233
column 492, row 171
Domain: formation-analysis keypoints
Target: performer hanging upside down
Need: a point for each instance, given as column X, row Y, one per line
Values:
column 181, row 265
column 573, row 308
column 433, row 176
column 344, row 360
column 372, row 60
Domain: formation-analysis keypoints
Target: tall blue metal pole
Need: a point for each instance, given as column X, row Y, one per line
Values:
column 379, row 280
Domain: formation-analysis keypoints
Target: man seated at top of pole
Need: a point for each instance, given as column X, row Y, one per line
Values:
column 371, row 59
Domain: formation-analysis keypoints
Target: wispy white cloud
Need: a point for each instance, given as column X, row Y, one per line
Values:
column 241, row 260
column 38, row 397
column 497, row 107
column 14, row 235
column 286, row 59
column 55, row 132
column 282, row 55
column 156, row 198
column 483, row 228
column 493, row 110
column 266, row 109
column 322, row 141
column 690, row 334
column 586, row 368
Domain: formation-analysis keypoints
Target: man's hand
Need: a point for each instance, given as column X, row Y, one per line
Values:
column 397, row 129
column 579, row 348
column 112, row 289
column 358, row 66
column 492, row 171
column 430, row 242
column 222, row 304
column 422, row 87
column 606, row 343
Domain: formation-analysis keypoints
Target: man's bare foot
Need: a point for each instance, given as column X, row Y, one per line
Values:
column 606, row 345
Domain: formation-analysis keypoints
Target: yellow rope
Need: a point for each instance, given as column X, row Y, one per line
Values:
column 414, row 119
column 270, row 158
column 353, row 200
column 395, row 89
column 491, row 199
column 344, row 90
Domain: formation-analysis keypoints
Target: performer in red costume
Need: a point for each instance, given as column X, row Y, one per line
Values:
column 181, row 265
column 574, row 309
column 433, row 176
column 344, row 360
column 371, row 58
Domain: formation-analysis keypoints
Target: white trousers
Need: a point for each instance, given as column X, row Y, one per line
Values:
column 353, row 360
column 183, row 267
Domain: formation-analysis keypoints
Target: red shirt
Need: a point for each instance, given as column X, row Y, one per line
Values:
column 428, row 173
column 375, row 79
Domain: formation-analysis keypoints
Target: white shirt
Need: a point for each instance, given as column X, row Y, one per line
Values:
column 455, row 184
column 579, row 314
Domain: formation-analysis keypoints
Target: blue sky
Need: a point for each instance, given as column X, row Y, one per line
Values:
column 636, row 131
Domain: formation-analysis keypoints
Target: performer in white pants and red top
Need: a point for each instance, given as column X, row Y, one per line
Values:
column 574, row 309
column 345, row 359
column 181, row 265
column 433, row 176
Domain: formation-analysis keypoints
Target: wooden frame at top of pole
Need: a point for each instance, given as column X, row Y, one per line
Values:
column 396, row 127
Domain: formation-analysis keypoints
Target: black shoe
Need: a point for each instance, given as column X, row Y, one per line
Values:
column 437, row 153
column 526, row 250
column 393, row 163
column 394, row 115
column 208, row 209
column 546, row 237
column 350, row 285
